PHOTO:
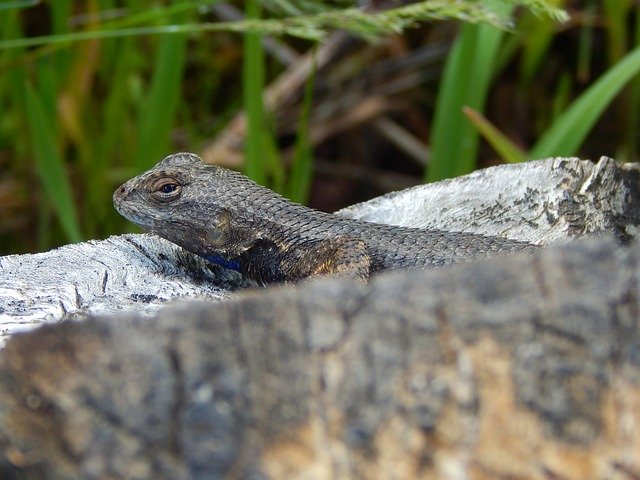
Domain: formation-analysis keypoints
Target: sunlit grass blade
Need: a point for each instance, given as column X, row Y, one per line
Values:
column 633, row 126
column 465, row 82
column 507, row 150
column 567, row 133
column 50, row 165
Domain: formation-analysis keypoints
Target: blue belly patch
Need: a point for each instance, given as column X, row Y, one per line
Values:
column 223, row 262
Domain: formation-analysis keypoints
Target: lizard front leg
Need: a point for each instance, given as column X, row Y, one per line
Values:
column 269, row 262
column 339, row 256
column 266, row 260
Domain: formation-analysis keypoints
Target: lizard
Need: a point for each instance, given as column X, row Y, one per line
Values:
column 228, row 219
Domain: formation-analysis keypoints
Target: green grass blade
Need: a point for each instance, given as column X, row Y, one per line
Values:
column 567, row 133
column 302, row 165
column 159, row 108
column 633, row 126
column 465, row 82
column 585, row 46
column 562, row 95
column 253, row 76
column 50, row 165
column 448, row 122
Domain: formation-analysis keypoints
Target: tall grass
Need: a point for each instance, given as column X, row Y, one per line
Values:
column 570, row 125
column 50, row 165
column 89, row 100
column 130, row 125
column 568, row 132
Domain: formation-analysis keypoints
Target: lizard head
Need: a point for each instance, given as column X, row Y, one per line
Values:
column 189, row 203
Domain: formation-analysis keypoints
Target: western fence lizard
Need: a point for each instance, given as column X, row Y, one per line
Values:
column 232, row 221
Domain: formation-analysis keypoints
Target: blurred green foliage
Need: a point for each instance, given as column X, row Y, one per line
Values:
column 94, row 92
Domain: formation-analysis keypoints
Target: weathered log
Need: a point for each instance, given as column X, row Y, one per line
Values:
column 540, row 202
column 521, row 367
column 122, row 273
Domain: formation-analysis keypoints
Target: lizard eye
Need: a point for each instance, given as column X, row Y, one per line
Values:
column 166, row 189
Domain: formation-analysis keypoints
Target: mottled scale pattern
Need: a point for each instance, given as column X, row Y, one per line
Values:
column 229, row 219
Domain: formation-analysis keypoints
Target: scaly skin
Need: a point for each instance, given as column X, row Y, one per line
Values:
column 230, row 220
